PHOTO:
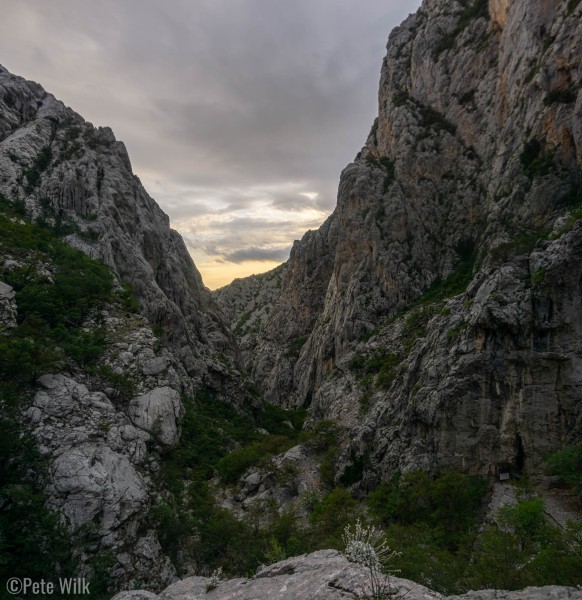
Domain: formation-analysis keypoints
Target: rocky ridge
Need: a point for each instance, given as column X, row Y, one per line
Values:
column 325, row 574
column 66, row 169
column 437, row 311
column 101, row 433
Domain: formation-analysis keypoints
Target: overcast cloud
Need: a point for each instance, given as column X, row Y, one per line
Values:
column 238, row 115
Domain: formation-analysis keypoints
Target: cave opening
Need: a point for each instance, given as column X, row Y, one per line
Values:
column 519, row 454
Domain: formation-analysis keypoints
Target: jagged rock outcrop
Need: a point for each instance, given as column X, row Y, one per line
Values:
column 103, row 449
column 468, row 188
column 67, row 170
column 325, row 574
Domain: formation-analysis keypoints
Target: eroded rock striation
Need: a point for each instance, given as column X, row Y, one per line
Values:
column 437, row 313
column 248, row 302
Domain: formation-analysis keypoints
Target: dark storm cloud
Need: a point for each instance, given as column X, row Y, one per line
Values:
column 223, row 104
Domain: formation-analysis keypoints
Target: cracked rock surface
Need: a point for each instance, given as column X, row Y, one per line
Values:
column 471, row 173
column 325, row 574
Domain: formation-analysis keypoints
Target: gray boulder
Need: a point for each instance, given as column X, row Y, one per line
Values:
column 7, row 307
column 157, row 412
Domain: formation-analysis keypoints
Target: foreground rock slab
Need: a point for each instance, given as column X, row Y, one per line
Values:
column 326, row 574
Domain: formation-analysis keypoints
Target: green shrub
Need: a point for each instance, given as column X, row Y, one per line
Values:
column 238, row 330
column 209, row 430
column 390, row 176
column 33, row 540
column 124, row 385
column 400, row 98
column 525, row 550
column 276, row 420
column 50, row 313
column 560, row 97
column 383, row 501
column 294, row 346
column 41, row 162
column 323, row 436
column 567, row 463
column 327, row 467
column 448, row 504
column 231, row 467
column 446, row 43
column 126, row 297
column 535, row 162
column 330, row 516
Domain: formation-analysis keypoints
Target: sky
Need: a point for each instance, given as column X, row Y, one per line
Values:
column 238, row 115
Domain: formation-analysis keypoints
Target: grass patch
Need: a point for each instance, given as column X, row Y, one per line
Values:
column 538, row 276
column 522, row 244
column 453, row 285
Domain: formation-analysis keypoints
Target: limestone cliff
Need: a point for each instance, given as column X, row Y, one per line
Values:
column 101, row 429
column 248, row 302
column 439, row 307
column 66, row 169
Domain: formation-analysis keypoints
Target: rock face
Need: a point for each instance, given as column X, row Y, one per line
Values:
column 248, row 303
column 325, row 574
column 103, row 450
column 102, row 431
column 64, row 168
column 437, row 313
column 158, row 413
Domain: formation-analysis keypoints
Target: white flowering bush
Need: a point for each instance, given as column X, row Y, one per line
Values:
column 215, row 579
column 368, row 547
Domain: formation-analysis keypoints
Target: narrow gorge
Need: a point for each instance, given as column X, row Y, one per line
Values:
column 422, row 344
